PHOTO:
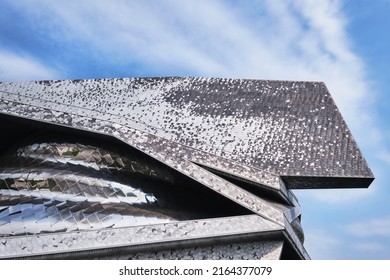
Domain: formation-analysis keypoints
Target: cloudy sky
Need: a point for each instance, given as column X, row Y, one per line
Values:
column 345, row 43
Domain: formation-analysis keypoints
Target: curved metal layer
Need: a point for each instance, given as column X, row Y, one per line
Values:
column 258, row 250
column 141, row 237
column 60, row 187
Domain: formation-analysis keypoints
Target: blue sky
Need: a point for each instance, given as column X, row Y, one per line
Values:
column 343, row 43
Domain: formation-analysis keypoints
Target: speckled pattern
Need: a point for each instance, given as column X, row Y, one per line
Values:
column 288, row 128
column 170, row 153
column 260, row 250
column 272, row 135
column 44, row 244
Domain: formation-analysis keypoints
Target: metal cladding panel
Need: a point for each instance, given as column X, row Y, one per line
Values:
column 260, row 250
column 292, row 129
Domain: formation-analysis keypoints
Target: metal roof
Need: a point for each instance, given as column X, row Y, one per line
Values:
column 292, row 129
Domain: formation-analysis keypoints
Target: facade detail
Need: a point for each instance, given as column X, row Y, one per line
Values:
column 166, row 168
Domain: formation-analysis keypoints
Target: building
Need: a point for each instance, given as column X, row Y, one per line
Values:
column 173, row 168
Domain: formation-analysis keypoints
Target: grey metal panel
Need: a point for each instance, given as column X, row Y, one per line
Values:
column 43, row 244
column 259, row 250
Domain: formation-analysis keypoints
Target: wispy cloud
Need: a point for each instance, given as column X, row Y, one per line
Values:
column 14, row 67
column 322, row 244
column 374, row 227
column 370, row 246
column 384, row 156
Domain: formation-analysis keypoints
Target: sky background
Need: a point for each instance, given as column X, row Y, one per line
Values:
column 344, row 43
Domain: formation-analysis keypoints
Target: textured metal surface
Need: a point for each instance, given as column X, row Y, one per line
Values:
column 169, row 153
column 41, row 192
column 62, row 187
column 260, row 250
column 134, row 236
column 289, row 128
column 242, row 142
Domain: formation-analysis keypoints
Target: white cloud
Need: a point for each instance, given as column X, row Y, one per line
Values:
column 369, row 246
column 14, row 67
column 374, row 227
column 384, row 156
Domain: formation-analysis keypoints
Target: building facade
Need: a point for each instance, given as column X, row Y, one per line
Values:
column 166, row 168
